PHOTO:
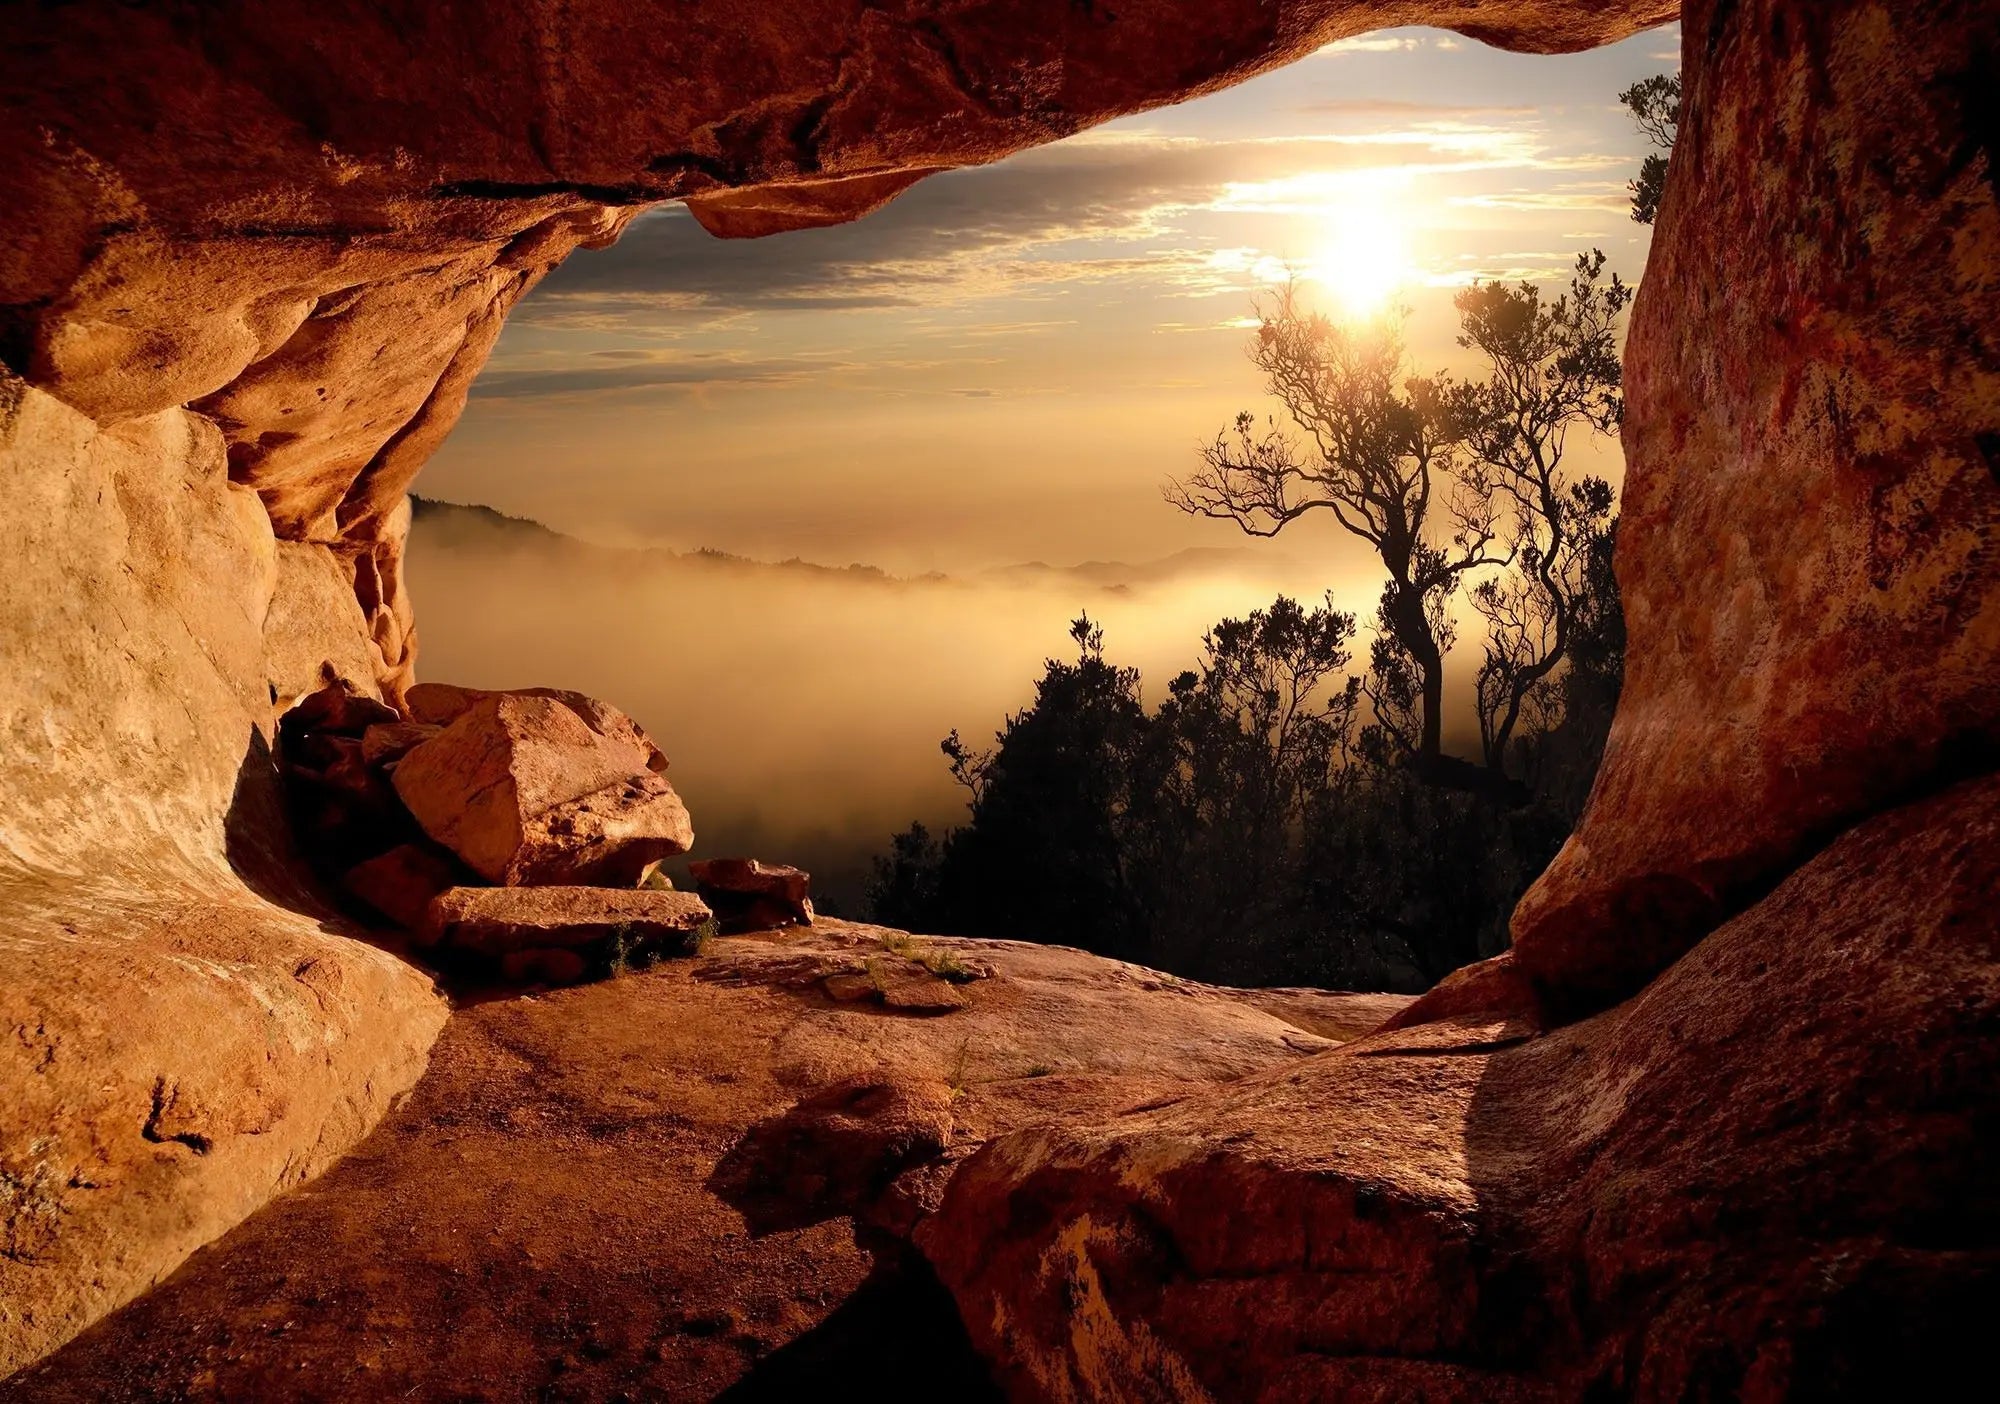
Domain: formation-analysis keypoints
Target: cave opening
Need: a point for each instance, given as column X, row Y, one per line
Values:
column 915, row 446
column 1720, row 1121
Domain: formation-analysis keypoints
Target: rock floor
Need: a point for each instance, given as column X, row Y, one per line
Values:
column 534, row 1221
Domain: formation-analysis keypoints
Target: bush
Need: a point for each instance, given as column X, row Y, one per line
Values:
column 1244, row 831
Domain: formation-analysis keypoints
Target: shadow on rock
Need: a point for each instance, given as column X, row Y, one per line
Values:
column 838, row 1153
column 900, row 1333
column 1770, row 1177
column 1772, row 1174
column 258, row 840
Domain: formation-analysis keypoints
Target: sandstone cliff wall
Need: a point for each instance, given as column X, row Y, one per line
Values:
column 185, row 1033
column 1810, row 548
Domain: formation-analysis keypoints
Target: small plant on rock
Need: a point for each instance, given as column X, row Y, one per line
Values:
column 957, row 1080
column 947, row 966
column 944, row 964
column 698, row 939
column 621, row 950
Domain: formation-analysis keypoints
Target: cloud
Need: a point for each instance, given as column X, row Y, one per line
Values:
column 632, row 370
column 1109, row 207
column 944, row 234
column 1389, row 42
column 1534, row 266
column 1591, row 196
column 1371, row 44
column 1408, row 109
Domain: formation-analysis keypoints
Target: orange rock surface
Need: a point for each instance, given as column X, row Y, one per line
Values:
column 1808, row 547
column 537, row 1220
column 1766, row 1178
column 1723, row 1125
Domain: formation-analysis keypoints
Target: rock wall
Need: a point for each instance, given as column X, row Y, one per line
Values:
column 177, row 1046
column 1810, row 549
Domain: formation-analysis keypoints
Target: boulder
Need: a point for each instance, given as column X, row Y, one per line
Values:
column 339, row 765
column 495, row 921
column 609, row 837
column 751, row 895
column 441, row 704
column 1812, row 492
column 342, row 808
column 385, row 743
column 835, row 1152
column 401, row 883
column 170, row 1066
column 526, row 792
column 339, row 708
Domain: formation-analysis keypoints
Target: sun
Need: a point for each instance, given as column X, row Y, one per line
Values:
column 1365, row 261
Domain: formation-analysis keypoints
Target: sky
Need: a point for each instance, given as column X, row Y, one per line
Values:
column 1003, row 366
column 1006, row 363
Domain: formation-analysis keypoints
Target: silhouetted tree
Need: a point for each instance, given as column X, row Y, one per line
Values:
column 1237, row 832
column 1233, row 756
column 1382, row 455
column 1402, row 461
column 904, row 890
column 1042, row 856
column 1655, row 105
column 1553, row 368
column 1559, row 756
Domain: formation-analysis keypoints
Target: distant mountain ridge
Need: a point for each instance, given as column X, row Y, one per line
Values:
column 474, row 524
column 1190, row 560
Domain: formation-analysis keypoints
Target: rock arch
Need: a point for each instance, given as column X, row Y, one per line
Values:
column 256, row 257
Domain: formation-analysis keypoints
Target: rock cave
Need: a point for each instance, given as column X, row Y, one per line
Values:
column 1723, row 1124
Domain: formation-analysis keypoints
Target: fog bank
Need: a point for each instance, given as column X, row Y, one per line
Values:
column 802, row 707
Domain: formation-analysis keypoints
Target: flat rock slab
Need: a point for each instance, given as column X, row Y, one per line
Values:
column 751, row 895
column 752, row 877
column 535, row 1223
column 1334, row 1014
column 922, row 994
column 497, row 920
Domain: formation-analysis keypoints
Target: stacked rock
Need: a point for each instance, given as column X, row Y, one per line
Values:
column 506, row 830
column 748, row 895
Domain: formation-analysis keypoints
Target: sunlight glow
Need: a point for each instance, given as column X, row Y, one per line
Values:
column 1366, row 260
